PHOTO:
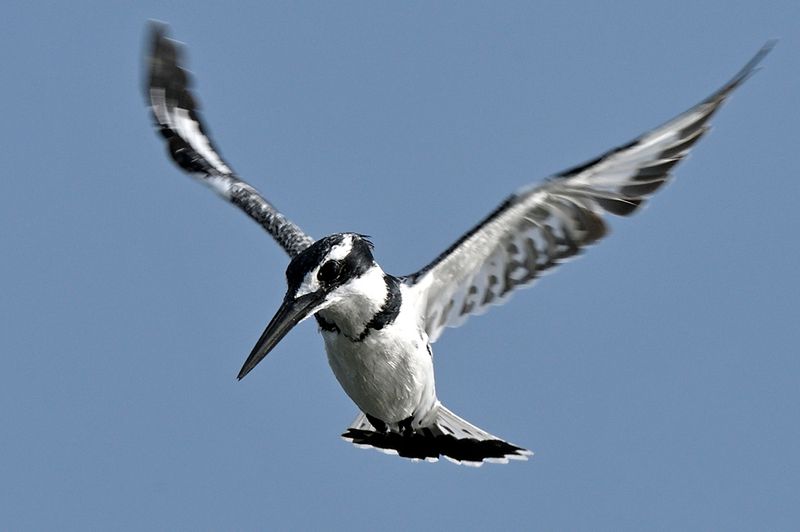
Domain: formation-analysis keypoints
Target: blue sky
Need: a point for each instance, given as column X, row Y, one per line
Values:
column 656, row 378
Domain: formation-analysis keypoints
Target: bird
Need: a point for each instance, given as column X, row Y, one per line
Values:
column 378, row 328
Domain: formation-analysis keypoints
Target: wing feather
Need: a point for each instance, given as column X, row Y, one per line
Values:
column 177, row 117
column 539, row 227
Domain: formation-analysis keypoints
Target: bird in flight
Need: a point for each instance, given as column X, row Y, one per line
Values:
column 378, row 328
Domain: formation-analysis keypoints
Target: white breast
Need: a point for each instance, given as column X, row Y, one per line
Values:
column 389, row 375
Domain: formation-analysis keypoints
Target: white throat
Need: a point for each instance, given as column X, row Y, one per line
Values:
column 355, row 303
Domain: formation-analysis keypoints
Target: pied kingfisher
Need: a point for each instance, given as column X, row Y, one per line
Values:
column 378, row 328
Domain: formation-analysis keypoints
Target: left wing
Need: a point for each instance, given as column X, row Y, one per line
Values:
column 539, row 227
column 177, row 117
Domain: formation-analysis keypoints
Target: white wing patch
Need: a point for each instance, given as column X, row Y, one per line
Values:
column 189, row 130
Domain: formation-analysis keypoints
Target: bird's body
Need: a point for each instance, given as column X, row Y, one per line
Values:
column 378, row 328
column 388, row 373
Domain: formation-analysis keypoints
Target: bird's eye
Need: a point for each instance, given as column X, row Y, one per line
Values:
column 329, row 272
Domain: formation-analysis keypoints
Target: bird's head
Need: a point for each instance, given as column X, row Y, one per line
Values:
column 318, row 277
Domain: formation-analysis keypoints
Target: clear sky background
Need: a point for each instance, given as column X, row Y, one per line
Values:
column 656, row 378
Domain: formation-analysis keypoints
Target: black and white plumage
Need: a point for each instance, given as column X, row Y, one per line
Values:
column 175, row 111
column 378, row 328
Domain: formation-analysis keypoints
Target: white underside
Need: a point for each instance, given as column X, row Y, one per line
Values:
column 388, row 375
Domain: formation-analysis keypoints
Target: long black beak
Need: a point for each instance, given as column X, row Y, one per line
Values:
column 291, row 313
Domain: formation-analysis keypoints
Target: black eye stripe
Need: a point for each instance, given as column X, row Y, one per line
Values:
column 355, row 264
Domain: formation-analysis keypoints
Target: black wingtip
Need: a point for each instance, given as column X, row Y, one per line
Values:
column 745, row 73
column 157, row 28
column 157, row 34
column 162, row 56
column 752, row 66
column 155, row 31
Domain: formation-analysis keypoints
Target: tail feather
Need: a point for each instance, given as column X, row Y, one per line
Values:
column 449, row 436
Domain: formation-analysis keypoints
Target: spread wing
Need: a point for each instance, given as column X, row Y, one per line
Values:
column 176, row 115
column 539, row 227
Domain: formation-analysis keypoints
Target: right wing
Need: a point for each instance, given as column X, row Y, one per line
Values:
column 176, row 115
column 539, row 227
